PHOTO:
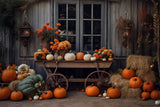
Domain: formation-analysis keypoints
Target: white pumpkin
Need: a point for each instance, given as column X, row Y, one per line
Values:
column 93, row 58
column 104, row 59
column 36, row 97
column 49, row 57
column 69, row 57
column 87, row 57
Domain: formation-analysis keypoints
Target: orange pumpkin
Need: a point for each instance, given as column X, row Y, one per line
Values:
column 16, row 96
column 145, row 95
column 59, row 93
column 80, row 55
column 148, row 86
column 20, row 77
column 40, row 98
column 128, row 73
column 30, row 99
column 113, row 92
column 47, row 94
column 8, row 75
column 92, row 91
column 135, row 82
column 155, row 94
column 4, row 93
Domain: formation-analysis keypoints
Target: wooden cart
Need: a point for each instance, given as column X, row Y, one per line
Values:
column 99, row 77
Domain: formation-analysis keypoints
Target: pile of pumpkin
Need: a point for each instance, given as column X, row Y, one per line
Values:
column 31, row 87
column 148, row 87
column 61, row 53
column 24, row 83
column 94, row 91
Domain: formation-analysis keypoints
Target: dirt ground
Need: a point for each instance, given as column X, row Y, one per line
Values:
column 79, row 99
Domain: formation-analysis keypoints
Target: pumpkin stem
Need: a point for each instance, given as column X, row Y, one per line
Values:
column 128, row 68
column 148, row 83
column 113, row 87
column 59, row 86
column 135, row 79
column 70, row 51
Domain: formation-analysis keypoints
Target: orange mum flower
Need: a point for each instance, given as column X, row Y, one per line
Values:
column 50, row 28
column 39, row 32
column 43, row 57
column 58, row 24
column 96, row 51
column 56, row 40
column 51, row 42
column 44, row 26
column 47, row 23
column 41, row 37
column 100, row 56
column 56, row 32
column 56, row 28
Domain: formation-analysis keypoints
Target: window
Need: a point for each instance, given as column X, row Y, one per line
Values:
column 82, row 23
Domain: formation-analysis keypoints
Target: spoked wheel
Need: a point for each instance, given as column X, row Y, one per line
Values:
column 99, row 78
column 55, row 80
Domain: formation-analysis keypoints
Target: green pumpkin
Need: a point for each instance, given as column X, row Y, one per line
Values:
column 30, row 85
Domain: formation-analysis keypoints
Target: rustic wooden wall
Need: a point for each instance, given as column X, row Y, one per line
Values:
column 41, row 12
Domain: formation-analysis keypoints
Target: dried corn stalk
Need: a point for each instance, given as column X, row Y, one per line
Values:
column 156, row 21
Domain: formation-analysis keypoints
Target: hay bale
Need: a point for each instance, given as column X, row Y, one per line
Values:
column 118, row 81
column 146, row 76
column 138, row 62
column 134, row 93
column 127, row 92
column 124, row 92
column 13, row 85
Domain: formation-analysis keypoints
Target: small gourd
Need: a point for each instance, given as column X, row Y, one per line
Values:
column 87, row 57
column 104, row 59
column 59, row 58
column 93, row 58
column 36, row 97
column 50, row 57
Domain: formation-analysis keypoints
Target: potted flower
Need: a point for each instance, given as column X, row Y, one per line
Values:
column 46, row 33
column 60, row 48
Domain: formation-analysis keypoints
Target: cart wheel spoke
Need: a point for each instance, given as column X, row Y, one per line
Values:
column 99, row 78
column 57, row 79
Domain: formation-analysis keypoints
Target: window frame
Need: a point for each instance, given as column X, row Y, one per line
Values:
column 79, row 21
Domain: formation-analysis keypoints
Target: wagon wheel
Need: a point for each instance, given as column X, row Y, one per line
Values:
column 99, row 78
column 55, row 80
